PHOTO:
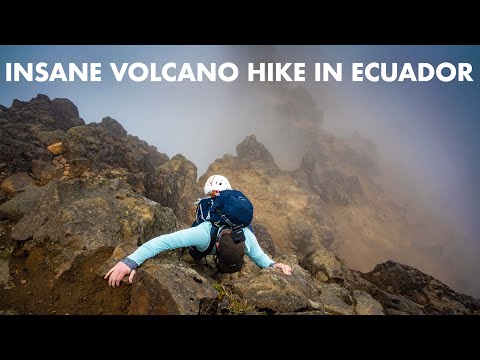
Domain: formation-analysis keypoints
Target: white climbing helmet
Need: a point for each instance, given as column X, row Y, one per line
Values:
column 216, row 183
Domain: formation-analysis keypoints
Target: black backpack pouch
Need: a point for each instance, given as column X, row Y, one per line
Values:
column 237, row 235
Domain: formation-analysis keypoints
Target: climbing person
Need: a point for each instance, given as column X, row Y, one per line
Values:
column 222, row 229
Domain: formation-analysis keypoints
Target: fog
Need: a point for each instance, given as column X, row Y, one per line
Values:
column 405, row 124
column 411, row 124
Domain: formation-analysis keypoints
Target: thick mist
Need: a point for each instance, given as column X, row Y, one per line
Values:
column 419, row 169
column 415, row 127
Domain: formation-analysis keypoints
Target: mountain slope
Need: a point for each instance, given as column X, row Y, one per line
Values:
column 77, row 198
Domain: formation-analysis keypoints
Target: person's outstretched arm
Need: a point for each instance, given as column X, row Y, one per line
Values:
column 198, row 236
column 262, row 260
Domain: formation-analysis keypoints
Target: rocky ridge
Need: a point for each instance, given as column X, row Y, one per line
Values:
column 76, row 198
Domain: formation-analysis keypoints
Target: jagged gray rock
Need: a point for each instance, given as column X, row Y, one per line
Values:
column 164, row 288
column 270, row 290
column 324, row 261
column 22, row 204
column 366, row 305
column 176, row 186
column 43, row 170
column 337, row 300
column 49, row 137
column 51, row 114
column 253, row 154
column 79, row 217
column 17, row 183
column 412, row 291
column 114, row 127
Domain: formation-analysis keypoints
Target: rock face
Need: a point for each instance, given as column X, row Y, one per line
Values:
column 106, row 149
column 293, row 216
column 366, row 305
column 17, row 183
column 252, row 154
column 176, row 187
column 26, row 128
column 34, row 134
column 271, row 291
column 57, row 114
column 164, row 288
column 75, row 199
column 324, row 265
column 43, row 170
column 424, row 290
column 80, row 217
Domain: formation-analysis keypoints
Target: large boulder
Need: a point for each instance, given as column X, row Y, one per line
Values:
column 43, row 170
column 324, row 265
column 176, row 186
column 162, row 287
column 366, row 305
column 22, row 204
column 301, row 234
column 107, row 149
column 81, row 217
column 50, row 137
column 337, row 300
column 271, row 291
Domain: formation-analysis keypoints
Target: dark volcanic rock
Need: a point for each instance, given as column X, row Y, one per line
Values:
column 176, row 186
column 337, row 300
column 19, row 146
column 27, row 127
column 113, row 126
column 107, row 151
column 51, row 114
column 17, row 183
column 22, row 204
column 43, row 170
column 50, row 137
column 433, row 296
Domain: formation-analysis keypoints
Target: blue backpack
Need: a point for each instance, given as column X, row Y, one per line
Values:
column 230, row 210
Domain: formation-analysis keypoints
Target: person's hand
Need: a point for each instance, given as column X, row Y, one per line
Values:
column 287, row 270
column 116, row 274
